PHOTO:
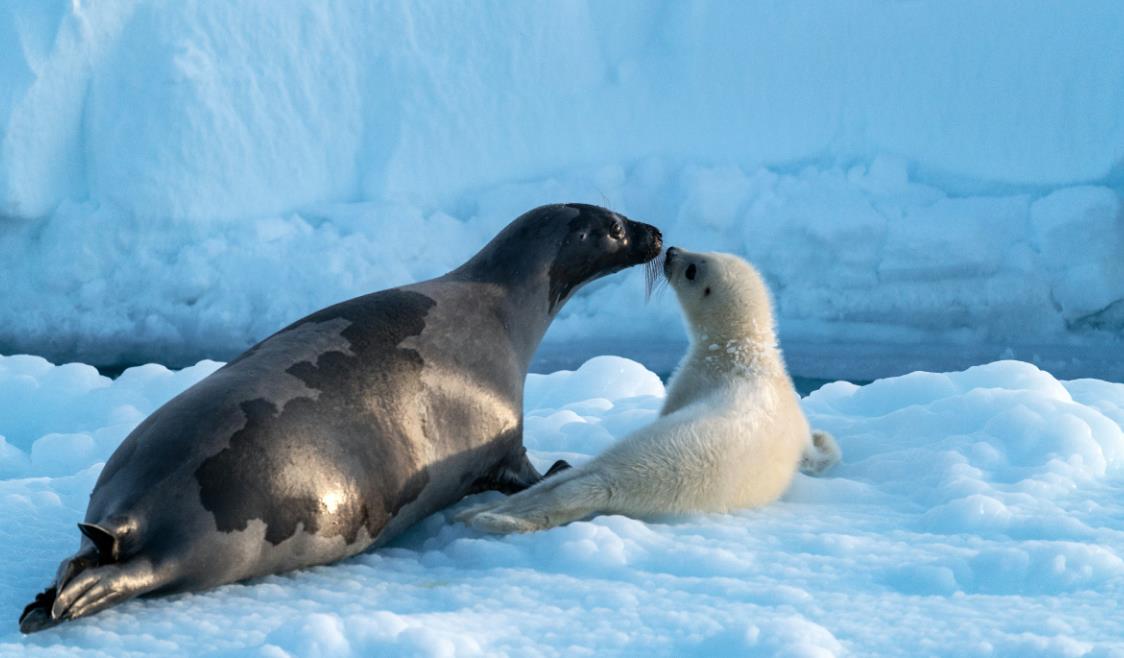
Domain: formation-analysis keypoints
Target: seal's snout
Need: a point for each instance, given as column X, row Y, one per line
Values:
column 647, row 240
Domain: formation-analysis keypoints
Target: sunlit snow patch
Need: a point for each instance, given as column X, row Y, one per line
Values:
column 975, row 513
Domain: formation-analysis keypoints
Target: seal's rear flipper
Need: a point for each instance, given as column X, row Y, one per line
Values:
column 103, row 586
column 107, row 546
column 37, row 615
column 98, row 576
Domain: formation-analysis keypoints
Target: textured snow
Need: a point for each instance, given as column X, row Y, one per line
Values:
column 976, row 513
column 178, row 180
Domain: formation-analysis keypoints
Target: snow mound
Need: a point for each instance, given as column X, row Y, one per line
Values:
column 975, row 513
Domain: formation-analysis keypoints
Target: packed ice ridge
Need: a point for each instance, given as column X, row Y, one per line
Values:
column 975, row 513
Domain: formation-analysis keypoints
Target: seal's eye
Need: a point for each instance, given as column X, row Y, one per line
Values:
column 691, row 272
column 616, row 231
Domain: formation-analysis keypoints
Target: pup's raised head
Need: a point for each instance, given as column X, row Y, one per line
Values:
column 723, row 296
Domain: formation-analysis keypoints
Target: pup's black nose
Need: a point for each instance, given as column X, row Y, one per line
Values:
column 672, row 252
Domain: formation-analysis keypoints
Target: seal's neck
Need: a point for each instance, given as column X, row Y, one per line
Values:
column 521, row 301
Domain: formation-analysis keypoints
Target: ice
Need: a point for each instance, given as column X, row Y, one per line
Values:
column 66, row 399
column 848, row 266
column 178, row 181
column 926, row 186
column 975, row 513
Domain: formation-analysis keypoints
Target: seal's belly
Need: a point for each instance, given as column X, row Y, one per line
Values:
column 359, row 473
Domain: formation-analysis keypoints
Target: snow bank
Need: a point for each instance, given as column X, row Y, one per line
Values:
column 976, row 513
column 179, row 180
column 855, row 256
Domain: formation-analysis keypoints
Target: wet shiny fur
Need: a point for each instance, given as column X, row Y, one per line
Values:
column 341, row 430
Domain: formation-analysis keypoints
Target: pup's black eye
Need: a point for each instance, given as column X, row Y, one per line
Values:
column 691, row 271
column 706, row 292
column 616, row 231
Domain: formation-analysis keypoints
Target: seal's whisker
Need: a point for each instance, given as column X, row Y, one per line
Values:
column 653, row 276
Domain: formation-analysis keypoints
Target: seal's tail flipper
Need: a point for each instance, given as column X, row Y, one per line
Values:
column 37, row 615
column 821, row 453
column 93, row 579
column 100, row 587
column 105, row 542
column 565, row 497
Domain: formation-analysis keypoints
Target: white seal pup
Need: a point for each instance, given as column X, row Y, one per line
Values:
column 730, row 435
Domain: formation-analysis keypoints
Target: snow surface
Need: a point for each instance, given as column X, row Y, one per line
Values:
column 976, row 513
column 179, row 180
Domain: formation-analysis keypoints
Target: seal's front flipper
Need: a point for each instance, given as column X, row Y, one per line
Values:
column 557, row 467
column 517, row 476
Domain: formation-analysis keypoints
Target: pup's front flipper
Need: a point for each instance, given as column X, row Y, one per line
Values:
column 571, row 496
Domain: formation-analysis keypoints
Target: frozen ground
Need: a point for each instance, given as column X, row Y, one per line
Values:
column 976, row 513
column 178, row 180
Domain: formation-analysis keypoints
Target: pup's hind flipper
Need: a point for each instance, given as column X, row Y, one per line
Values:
column 821, row 453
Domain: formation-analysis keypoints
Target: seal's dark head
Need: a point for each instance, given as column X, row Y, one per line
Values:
column 599, row 242
column 564, row 246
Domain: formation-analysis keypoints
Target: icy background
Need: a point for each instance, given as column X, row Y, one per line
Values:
column 936, row 183
column 977, row 513
column 926, row 185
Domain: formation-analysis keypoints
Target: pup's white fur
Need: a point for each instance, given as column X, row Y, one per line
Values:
column 730, row 435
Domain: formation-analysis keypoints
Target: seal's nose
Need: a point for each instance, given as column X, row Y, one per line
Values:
column 648, row 240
